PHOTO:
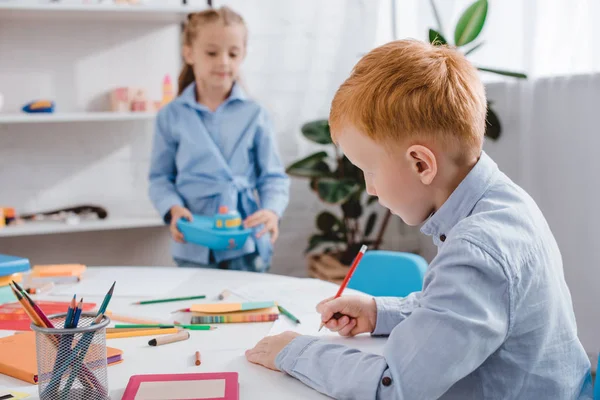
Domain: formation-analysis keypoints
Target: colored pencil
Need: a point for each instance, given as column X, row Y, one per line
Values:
column 169, row 300
column 28, row 309
column 106, row 300
column 198, row 361
column 178, row 337
column 139, row 332
column 131, row 320
column 71, row 313
column 77, row 314
column 288, row 314
column 223, row 294
column 190, row 327
column 355, row 263
column 46, row 322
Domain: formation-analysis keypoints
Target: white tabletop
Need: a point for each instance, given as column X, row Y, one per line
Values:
column 223, row 349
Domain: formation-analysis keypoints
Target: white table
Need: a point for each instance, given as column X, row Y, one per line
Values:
column 223, row 349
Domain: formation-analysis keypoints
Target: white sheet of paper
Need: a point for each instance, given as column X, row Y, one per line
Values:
column 96, row 282
column 202, row 389
column 298, row 296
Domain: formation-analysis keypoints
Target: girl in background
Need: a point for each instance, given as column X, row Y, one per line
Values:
column 213, row 147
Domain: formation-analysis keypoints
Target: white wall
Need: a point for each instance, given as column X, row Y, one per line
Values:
column 299, row 53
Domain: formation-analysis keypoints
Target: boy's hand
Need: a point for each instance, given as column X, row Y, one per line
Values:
column 265, row 352
column 360, row 314
column 178, row 212
column 269, row 219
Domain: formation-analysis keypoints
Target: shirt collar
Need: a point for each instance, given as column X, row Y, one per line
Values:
column 461, row 202
column 188, row 96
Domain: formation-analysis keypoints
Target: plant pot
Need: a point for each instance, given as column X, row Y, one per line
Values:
column 326, row 267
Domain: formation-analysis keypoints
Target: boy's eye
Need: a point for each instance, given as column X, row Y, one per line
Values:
column 233, row 55
column 211, row 53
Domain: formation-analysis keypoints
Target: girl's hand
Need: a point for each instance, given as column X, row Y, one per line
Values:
column 178, row 212
column 270, row 221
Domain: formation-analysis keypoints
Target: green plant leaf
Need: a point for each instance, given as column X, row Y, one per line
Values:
column 372, row 199
column 370, row 224
column 492, row 125
column 326, row 222
column 352, row 209
column 471, row 23
column 312, row 166
column 336, row 191
column 316, row 240
column 474, row 48
column 436, row 38
column 317, row 131
column 519, row 75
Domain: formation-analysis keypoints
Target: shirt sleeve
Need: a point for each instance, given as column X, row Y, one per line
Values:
column 462, row 318
column 163, row 170
column 393, row 310
column 273, row 184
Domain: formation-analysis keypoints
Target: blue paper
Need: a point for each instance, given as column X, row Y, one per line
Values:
column 11, row 265
column 6, row 295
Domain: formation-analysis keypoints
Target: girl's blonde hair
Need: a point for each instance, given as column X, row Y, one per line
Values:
column 194, row 22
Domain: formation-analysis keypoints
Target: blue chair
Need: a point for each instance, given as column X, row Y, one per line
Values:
column 597, row 381
column 389, row 273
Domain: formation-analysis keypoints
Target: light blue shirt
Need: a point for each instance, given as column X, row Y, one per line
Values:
column 203, row 159
column 494, row 319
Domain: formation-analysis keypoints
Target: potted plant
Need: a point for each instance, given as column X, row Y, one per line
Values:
column 336, row 181
column 466, row 31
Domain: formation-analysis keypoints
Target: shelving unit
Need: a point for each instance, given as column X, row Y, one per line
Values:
column 111, row 12
column 69, row 17
column 46, row 228
column 24, row 118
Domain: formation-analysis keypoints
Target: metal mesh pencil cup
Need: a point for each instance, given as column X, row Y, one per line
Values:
column 72, row 362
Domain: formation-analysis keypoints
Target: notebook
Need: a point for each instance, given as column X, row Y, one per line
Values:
column 46, row 271
column 14, row 318
column 18, row 358
column 5, row 280
column 206, row 386
column 11, row 265
column 258, row 315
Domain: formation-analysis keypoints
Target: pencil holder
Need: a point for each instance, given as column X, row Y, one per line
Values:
column 72, row 363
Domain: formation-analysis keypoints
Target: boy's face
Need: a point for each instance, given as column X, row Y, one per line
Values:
column 393, row 177
column 217, row 54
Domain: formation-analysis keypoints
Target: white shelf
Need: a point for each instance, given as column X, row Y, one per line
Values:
column 24, row 118
column 47, row 228
column 24, row 9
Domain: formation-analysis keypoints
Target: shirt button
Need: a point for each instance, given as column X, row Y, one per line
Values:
column 386, row 381
column 443, row 238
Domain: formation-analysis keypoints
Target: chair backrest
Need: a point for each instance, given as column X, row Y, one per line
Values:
column 597, row 383
column 389, row 273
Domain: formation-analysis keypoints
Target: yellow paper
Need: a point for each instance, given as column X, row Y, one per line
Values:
column 44, row 271
column 216, row 308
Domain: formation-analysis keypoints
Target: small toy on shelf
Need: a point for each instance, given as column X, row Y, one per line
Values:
column 119, row 99
column 39, row 106
column 167, row 92
column 139, row 101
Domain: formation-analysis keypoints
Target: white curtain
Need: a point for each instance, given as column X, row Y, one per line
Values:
column 538, row 37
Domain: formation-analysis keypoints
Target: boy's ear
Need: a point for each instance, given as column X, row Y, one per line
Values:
column 423, row 163
column 187, row 55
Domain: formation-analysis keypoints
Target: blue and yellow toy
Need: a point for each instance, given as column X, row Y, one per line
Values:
column 222, row 231
column 39, row 106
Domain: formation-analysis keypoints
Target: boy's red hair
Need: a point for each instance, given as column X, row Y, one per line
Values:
column 408, row 89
